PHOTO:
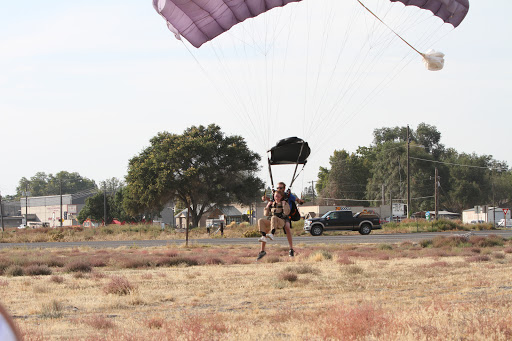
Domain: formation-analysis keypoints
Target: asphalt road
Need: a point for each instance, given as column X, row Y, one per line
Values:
column 324, row 239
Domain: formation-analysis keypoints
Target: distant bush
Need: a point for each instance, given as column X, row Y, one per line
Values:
column 37, row 270
column 98, row 322
column 479, row 258
column 52, row 309
column 14, row 271
column 119, row 285
column 78, row 266
column 426, row 243
column 252, row 234
column 288, row 276
column 451, row 241
column 446, row 225
column 57, row 279
column 489, row 241
column 385, row 247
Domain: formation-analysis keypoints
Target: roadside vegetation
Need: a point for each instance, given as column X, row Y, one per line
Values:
column 436, row 289
column 243, row 230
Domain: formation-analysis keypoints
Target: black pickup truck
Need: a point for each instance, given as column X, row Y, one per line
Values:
column 364, row 222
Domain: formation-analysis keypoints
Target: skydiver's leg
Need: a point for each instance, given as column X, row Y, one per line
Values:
column 288, row 234
column 264, row 228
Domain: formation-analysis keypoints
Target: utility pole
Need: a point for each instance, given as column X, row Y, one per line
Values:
column 60, row 191
column 408, row 177
column 313, row 189
column 105, row 203
column 383, row 196
column 186, row 227
column 2, row 212
column 26, row 204
column 436, row 194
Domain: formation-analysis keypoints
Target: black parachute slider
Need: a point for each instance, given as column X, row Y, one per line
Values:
column 291, row 150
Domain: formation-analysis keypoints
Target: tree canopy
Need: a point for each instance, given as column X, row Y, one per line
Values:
column 465, row 180
column 48, row 184
column 201, row 168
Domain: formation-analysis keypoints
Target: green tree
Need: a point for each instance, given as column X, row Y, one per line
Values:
column 94, row 209
column 48, row 184
column 201, row 168
column 347, row 177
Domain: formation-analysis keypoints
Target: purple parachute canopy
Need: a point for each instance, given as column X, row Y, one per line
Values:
column 451, row 11
column 200, row 21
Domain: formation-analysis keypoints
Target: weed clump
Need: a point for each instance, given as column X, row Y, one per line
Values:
column 14, row 271
column 302, row 269
column 479, row 258
column 489, row 241
column 288, row 276
column 57, row 279
column 53, row 309
column 385, row 247
column 37, row 270
column 321, row 255
column 98, row 322
column 78, row 266
column 119, row 285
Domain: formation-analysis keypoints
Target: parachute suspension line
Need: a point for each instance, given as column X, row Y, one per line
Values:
column 328, row 20
column 332, row 73
column 208, row 76
column 405, row 41
column 297, row 164
column 243, row 113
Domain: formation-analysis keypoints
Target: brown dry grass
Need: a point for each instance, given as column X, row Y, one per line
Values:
column 327, row 292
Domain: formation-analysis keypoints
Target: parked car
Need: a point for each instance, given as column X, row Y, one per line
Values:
column 364, row 222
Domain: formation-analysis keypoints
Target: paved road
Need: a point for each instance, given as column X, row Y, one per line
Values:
column 324, row 239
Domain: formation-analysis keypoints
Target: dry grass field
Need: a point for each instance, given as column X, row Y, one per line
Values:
column 448, row 288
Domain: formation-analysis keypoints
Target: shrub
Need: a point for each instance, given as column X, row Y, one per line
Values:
column 154, row 323
column 98, row 322
column 385, row 247
column 52, row 309
column 479, row 258
column 498, row 255
column 78, row 266
column 137, row 263
column 252, row 234
column 489, row 241
column 213, row 261
column 321, row 255
column 302, row 269
column 354, row 270
column 362, row 322
column 57, row 279
column 37, row 270
column 119, row 285
column 426, row 243
column 508, row 250
column 288, row 276
column 445, row 225
column 451, row 241
column 14, row 271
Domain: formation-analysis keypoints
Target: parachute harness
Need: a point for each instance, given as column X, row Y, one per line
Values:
column 434, row 61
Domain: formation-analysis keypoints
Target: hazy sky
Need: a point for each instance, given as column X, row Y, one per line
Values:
column 85, row 85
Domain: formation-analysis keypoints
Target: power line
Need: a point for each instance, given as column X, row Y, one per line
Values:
column 456, row 164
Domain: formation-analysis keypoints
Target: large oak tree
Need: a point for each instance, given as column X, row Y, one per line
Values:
column 201, row 168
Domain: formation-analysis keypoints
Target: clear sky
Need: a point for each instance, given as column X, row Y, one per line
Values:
column 85, row 85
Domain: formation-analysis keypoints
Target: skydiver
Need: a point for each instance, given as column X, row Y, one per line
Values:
column 281, row 186
column 277, row 210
